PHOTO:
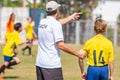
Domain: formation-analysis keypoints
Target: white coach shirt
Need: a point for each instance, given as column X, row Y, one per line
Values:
column 49, row 33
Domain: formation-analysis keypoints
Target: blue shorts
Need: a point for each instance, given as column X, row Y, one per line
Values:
column 97, row 73
column 8, row 58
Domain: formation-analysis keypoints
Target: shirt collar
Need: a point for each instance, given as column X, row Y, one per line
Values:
column 50, row 17
column 16, row 32
column 99, row 36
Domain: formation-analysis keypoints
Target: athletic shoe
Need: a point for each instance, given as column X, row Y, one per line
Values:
column 3, row 70
column 9, row 67
column 30, row 55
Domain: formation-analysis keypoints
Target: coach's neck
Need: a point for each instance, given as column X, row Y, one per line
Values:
column 56, row 14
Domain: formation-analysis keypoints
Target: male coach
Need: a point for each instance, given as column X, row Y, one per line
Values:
column 50, row 41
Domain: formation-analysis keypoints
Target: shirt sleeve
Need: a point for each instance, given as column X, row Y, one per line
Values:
column 57, row 32
column 7, row 35
column 86, row 47
column 25, row 26
column 111, row 53
column 17, row 39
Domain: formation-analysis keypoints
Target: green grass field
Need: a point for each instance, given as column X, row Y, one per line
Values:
column 26, row 69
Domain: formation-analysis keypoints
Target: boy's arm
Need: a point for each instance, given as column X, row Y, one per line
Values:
column 81, row 64
column 23, row 42
column 111, row 68
column 18, row 41
column 111, row 62
column 74, row 16
column 34, row 35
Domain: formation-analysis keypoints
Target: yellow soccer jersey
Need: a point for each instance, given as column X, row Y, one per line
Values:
column 29, row 30
column 99, row 51
column 12, row 40
column 7, row 36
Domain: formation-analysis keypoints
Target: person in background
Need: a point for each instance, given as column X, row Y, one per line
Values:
column 8, row 51
column 10, row 23
column 9, row 30
column 30, row 35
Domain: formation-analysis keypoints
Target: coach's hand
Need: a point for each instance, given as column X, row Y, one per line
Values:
column 82, row 53
column 75, row 16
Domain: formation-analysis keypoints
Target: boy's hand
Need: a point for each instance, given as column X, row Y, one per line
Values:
column 35, row 38
column 27, row 41
column 110, row 78
column 84, row 76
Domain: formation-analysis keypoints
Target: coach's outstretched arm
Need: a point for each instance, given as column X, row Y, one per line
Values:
column 61, row 45
column 74, row 16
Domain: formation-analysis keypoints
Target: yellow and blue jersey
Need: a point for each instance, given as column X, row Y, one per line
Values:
column 29, row 30
column 99, row 51
column 13, row 39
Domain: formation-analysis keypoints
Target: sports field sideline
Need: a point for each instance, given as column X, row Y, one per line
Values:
column 26, row 69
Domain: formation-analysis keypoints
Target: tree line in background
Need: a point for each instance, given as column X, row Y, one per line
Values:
column 67, row 6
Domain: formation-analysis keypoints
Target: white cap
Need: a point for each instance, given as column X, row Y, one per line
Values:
column 52, row 5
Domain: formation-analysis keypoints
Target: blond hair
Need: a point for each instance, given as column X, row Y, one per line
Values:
column 100, row 26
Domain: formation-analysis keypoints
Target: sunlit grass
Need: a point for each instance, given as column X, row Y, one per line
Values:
column 26, row 69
